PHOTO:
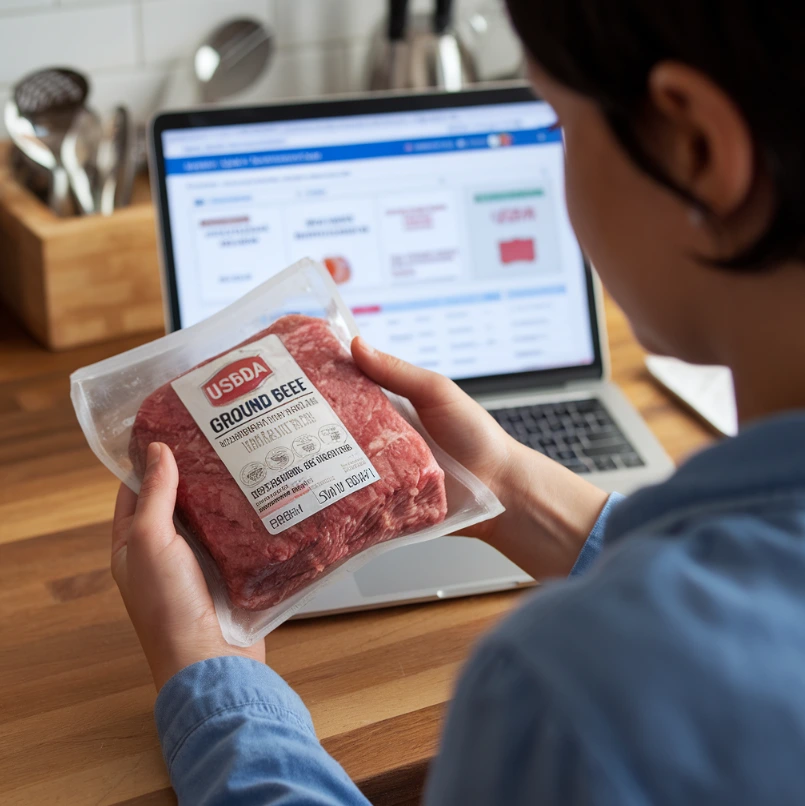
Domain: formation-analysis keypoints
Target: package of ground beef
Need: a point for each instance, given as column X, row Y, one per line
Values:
column 294, row 467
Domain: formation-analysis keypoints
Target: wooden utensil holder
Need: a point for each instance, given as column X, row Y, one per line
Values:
column 79, row 280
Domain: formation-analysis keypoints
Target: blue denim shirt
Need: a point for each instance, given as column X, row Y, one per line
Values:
column 669, row 670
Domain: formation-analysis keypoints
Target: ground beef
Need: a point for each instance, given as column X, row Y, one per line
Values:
column 261, row 569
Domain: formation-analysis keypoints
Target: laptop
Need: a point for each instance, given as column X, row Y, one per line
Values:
column 442, row 219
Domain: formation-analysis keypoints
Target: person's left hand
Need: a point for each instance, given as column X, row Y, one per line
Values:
column 161, row 582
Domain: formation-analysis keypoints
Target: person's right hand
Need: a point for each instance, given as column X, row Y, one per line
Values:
column 549, row 510
column 160, row 580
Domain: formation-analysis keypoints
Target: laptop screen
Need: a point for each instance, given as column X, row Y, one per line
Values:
column 445, row 229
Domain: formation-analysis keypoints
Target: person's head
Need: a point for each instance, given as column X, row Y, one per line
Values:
column 684, row 125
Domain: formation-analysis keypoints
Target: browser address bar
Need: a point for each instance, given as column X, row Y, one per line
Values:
column 327, row 137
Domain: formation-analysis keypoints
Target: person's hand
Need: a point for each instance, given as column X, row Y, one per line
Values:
column 549, row 510
column 460, row 426
column 161, row 582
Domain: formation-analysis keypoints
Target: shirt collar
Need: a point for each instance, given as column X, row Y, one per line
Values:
column 766, row 457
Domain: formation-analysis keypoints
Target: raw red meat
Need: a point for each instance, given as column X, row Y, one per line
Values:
column 261, row 569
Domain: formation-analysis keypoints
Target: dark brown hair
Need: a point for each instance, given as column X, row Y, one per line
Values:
column 753, row 49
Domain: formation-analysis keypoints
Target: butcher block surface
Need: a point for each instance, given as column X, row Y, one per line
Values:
column 76, row 724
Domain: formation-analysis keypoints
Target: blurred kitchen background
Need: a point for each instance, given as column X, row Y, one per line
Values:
column 131, row 50
column 79, row 79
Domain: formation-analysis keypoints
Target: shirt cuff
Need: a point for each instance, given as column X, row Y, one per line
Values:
column 205, row 689
column 595, row 540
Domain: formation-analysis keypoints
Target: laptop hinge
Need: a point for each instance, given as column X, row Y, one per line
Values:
column 583, row 383
column 583, row 387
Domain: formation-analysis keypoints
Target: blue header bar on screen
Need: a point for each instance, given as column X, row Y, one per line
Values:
column 360, row 151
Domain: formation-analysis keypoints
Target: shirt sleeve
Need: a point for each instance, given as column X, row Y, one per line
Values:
column 596, row 539
column 233, row 732
column 505, row 743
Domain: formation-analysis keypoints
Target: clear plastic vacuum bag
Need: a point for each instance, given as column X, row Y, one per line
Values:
column 294, row 467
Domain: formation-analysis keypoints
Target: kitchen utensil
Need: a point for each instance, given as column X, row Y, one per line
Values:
column 496, row 50
column 398, row 13
column 454, row 66
column 392, row 57
column 41, row 113
column 22, row 132
column 127, row 166
column 232, row 58
column 51, row 94
column 140, row 149
column 390, row 52
column 442, row 16
column 79, row 154
column 29, row 174
column 421, row 52
column 116, row 156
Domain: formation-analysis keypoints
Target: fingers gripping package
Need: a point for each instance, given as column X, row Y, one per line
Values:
column 342, row 469
column 293, row 465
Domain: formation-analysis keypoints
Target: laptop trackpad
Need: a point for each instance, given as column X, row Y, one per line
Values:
column 447, row 562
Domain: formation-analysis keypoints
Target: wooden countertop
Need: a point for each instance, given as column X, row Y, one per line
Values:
column 76, row 724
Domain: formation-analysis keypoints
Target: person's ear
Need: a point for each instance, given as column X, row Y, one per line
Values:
column 701, row 137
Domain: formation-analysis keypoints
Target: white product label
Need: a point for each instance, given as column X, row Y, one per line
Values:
column 279, row 438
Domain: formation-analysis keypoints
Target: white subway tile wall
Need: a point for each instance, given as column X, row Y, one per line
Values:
column 131, row 49
column 7, row 5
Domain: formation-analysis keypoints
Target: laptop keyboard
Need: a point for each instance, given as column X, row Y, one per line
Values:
column 580, row 434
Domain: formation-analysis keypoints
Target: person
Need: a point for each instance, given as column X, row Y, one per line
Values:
column 668, row 669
